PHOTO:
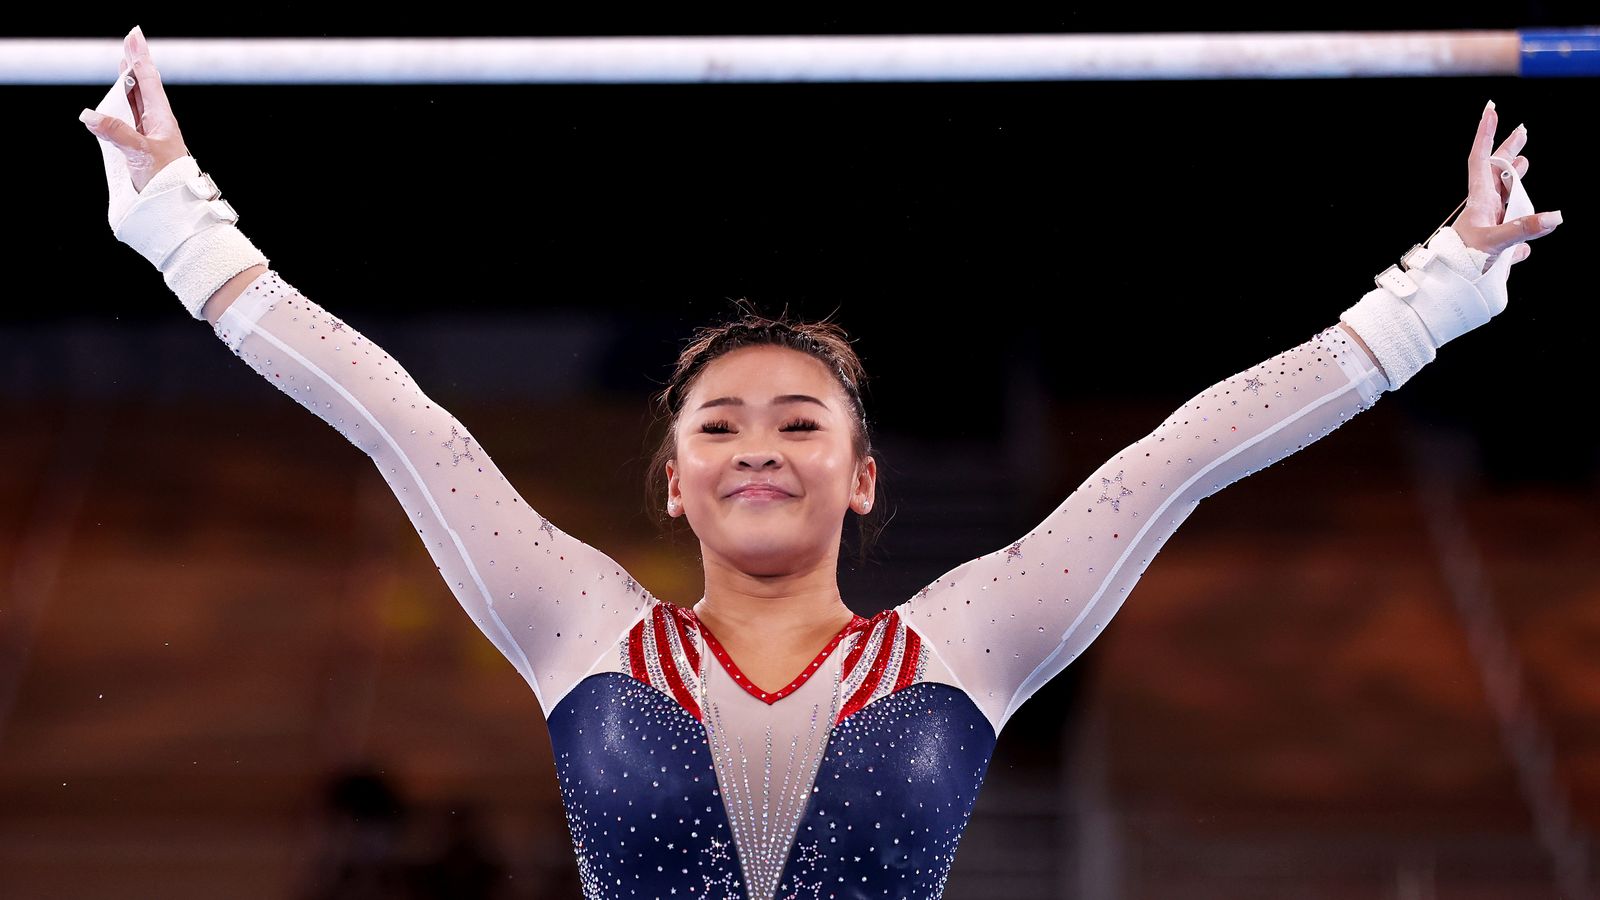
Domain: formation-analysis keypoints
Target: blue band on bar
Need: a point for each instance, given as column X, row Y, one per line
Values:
column 1560, row 52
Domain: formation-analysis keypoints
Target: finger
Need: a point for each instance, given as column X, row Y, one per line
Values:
column 1522, row 228
column 1513, row 144
column 1521, row 253
column 156, row 110
column 1508, row 150
column 117, row 132
column 1480, row 173
column 148, row 99
column 134, row 46
column 131, row 84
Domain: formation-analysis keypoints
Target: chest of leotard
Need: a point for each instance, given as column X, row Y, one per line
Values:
column 682, row 782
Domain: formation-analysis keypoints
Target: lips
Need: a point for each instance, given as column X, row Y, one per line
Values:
column 761, row 491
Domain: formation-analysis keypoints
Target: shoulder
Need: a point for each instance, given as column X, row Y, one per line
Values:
column 884, row 644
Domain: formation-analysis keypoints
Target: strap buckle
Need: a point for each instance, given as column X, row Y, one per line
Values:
column 1396, row 282
column 1418, row 257
column 223, row 210
column 203, row 187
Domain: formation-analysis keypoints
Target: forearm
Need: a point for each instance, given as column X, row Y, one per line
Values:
column 1371, row 357
column 230, row 292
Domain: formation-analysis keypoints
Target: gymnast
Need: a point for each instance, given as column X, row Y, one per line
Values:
column 767, row 741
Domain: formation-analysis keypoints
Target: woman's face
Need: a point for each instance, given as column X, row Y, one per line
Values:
column 773, row 416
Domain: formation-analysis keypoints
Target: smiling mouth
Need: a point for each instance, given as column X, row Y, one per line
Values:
column 760, row 494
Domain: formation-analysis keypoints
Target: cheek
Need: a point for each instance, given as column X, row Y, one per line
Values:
column 825, row 465
column 696, row 472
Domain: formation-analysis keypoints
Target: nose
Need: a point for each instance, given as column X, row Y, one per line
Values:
column 758, row 460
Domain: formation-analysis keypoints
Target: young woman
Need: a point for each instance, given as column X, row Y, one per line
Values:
column 767, row 741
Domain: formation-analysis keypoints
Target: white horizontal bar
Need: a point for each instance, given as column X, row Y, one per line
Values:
column 617, row 60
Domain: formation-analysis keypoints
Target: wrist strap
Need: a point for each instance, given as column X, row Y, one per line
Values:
column 179, row 221
column 1443, row 292
column 177, row 204
column 181, row 224
column 205, row 262
column 1397, row 338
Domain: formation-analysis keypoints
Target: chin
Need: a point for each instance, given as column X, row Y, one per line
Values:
column 756, row 556
column 756, row 550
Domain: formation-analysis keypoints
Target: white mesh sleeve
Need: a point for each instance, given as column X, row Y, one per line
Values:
column 1009, row 621
column 550, row 603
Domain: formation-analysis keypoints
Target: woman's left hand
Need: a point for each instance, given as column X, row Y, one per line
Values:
column 1488, row 189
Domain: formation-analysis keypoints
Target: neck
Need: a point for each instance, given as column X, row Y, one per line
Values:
column 740, row 606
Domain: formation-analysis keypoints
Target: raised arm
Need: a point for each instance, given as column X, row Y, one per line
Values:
column 552, row 604
column 1004, row 624
column 1009, row 621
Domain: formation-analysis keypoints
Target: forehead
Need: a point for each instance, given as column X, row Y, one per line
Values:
column 759, row 373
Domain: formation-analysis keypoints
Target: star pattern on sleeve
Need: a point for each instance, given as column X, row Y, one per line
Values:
column 457, row 455
column 1122, row 491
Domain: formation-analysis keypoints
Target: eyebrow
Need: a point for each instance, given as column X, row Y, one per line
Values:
column 785, row 398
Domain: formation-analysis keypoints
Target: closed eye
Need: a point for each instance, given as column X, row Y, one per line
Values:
column 720, row 426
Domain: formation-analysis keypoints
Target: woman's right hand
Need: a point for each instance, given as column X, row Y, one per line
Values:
column 152, row 140
column 158, row 201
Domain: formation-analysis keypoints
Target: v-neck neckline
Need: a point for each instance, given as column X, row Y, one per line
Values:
column 769, row 698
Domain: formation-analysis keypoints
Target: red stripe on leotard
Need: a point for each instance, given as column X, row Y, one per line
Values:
column 669, row 666
column 908, row 661
column 854, row 655
column 636, row 653
column 891, row 628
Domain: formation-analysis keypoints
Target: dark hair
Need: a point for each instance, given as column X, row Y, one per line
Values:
column 823, row 340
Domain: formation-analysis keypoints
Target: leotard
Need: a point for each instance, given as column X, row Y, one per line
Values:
column 680, row 777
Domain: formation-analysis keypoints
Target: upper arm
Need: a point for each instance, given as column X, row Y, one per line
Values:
column 1007, row 622
column 548, row 601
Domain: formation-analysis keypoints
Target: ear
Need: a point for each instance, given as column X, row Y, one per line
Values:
column 674, row 493
column 866, row 486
